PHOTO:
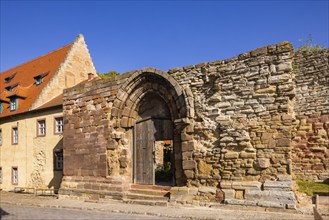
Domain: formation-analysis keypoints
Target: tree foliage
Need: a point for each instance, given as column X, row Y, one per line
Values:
column 107, row 75
column 308, row 45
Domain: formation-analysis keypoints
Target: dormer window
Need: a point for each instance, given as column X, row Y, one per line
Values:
column 10, row 88
column 9, row 78
column 38, row 81
column 38, row 78
column 13, row 103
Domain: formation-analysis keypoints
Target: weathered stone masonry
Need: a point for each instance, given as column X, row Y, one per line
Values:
column 235, row 125
column 311, row 128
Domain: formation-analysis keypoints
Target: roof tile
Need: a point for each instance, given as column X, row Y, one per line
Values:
column 24, row 74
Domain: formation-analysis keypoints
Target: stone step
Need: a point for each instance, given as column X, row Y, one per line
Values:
column 132, row 196
column 150, row 187
column 146, row 202
column 163, row 193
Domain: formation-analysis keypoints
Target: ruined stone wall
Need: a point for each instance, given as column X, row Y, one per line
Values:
column 310, row 142
column 233, row 127
column 242, row 127
column 92, row 156
column 87, row 113
column 243, row 117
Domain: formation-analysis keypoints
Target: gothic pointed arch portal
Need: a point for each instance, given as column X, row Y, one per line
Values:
column 154, row 107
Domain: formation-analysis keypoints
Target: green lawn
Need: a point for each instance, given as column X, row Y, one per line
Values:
column 309, row 187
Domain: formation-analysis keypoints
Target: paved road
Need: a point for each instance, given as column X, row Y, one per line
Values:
column 9, row 212
column 65, row 208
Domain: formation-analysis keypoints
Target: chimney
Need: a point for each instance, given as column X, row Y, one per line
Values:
column 90, row 76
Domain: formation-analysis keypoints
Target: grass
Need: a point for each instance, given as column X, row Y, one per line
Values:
column 308, row 45
column 309, row 187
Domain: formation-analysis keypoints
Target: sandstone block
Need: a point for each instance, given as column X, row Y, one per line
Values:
column 259, row 52
column 193, row 191
column 283, row 142
column 278, row 185
column 204, row 168
column 223, row 105
column 189, row 174
column 208, row 190
column 279, row 78
column 240, row 202
column 180, row 193
column 270, row 89
column 239, row 194
column 189, row 164
column 271, row 204
column 284, row 177
column 224, row 184
column 188, row 146
column 263, row 163
column 256, row 194
column 231, row 155
column 228, row 193
column 247, row 155
column 246, row 185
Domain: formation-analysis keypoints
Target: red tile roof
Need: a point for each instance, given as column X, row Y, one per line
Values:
column 26, row 90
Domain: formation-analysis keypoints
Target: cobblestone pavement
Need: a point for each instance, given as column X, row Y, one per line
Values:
column 116, row 207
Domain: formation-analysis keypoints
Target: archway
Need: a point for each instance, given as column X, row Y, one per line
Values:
column 151, row 88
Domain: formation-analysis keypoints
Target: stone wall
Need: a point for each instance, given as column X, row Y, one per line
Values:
column 243, row 117
column 243, row 123
column 310, row 141
column 232, row 128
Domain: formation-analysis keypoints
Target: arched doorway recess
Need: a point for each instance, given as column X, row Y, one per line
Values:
column 156, row 108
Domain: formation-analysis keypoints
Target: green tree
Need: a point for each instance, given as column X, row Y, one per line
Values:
column 107, row 75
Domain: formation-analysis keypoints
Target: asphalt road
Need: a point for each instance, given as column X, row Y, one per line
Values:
column 9, row 211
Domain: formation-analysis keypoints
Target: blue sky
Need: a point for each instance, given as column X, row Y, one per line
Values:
column 129, row 35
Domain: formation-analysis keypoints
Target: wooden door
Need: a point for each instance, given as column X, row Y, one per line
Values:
column 147, row 132
column 144, row 165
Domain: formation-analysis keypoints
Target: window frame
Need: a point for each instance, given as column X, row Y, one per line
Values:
column 58, row 154
column 38, row 127
column 55, row 125
column 13, row 176
column 1, row 175
column 13, row 135
column 13, row 105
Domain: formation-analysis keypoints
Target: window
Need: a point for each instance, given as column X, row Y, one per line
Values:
column 41, row 127
column 15, row 135
column 58, row 160
column 1, row 107
column 38, row 81
column 10, row 88
column 14, row 175
column 59, row 125
column 13, row 103
column 0, row 174
column 38, row 78
column 0, row 137
column 9, row 78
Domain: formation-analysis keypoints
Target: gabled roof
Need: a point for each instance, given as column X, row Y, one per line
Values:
column 25, row 75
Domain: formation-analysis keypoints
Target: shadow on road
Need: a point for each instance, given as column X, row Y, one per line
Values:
column 3, row 213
